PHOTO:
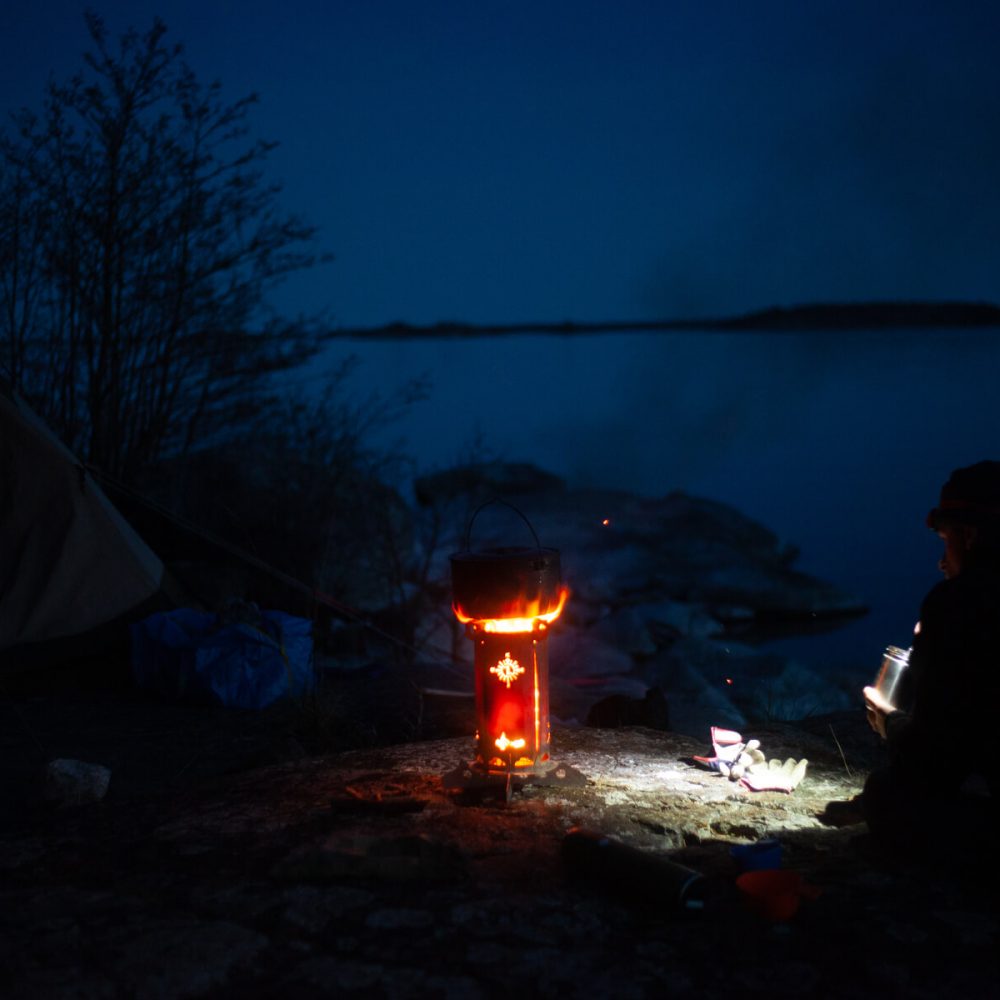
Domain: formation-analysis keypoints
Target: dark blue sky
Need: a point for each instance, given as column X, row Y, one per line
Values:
column 507, row 161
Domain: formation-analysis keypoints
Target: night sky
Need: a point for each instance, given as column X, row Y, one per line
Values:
column 514, row 161
column 498, row 162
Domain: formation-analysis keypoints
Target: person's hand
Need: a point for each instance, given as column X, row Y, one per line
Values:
column 878, row 707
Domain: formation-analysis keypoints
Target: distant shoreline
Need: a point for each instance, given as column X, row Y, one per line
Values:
column 846, row 317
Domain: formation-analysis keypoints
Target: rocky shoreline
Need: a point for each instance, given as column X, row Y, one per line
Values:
column 314, row 847
column 225, row 862
column 673, row 592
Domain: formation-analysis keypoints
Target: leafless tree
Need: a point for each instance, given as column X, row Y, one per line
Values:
column 139, row 240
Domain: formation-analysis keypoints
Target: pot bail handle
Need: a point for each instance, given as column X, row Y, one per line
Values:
column 520, row 514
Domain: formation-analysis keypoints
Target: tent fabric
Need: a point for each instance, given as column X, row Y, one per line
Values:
column 69, row 561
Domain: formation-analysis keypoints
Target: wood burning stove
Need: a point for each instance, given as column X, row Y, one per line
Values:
column 508, row 597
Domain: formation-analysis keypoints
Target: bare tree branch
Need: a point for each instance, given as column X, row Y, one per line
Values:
column 139, row 240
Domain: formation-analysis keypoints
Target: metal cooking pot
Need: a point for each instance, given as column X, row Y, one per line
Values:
column 502, row 582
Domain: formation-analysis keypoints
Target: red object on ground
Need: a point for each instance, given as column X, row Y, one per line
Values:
column 774, row 894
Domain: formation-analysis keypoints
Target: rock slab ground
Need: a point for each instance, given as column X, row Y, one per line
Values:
column 358, row 874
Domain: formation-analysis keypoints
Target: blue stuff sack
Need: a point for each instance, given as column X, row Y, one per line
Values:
column 248, row 663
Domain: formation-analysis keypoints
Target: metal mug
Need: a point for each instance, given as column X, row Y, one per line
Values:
column 890, row 674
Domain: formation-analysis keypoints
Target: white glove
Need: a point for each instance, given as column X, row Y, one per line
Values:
column 732, row 756
column 775, row 775
column 748, row 756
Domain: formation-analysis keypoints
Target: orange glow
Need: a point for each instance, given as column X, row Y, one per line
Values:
column 606, row 521
column 521, row 617
column 534, row 657
column 507, row 670
column 502, row 743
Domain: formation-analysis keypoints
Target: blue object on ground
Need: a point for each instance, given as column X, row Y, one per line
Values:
column 191, row 655
column 760, row 856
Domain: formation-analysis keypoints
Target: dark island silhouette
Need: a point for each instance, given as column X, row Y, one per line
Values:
column 842, row 317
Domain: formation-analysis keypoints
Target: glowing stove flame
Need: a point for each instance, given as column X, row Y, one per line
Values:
column 503, row 744
column 521, row 618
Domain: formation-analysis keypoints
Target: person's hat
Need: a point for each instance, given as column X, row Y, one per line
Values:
column 971, row 496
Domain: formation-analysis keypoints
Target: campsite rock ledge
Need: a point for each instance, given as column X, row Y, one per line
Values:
column 357, row 874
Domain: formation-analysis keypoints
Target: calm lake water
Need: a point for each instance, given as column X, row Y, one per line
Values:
column 837, row 442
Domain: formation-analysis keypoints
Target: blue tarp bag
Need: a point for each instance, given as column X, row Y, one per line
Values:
column 245, row 661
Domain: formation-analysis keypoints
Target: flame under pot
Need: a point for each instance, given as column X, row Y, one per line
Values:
column 502, row 582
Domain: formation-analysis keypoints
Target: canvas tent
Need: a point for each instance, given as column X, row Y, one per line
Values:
column 68, row 560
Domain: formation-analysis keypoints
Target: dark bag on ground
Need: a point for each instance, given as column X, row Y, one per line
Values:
column 249, row 661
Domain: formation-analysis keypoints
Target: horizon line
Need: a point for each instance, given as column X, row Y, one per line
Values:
column 843, row 317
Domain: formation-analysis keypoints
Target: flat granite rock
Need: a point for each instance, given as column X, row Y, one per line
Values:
column 359, row 874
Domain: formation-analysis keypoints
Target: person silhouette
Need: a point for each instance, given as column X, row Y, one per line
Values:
column 940, row 740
